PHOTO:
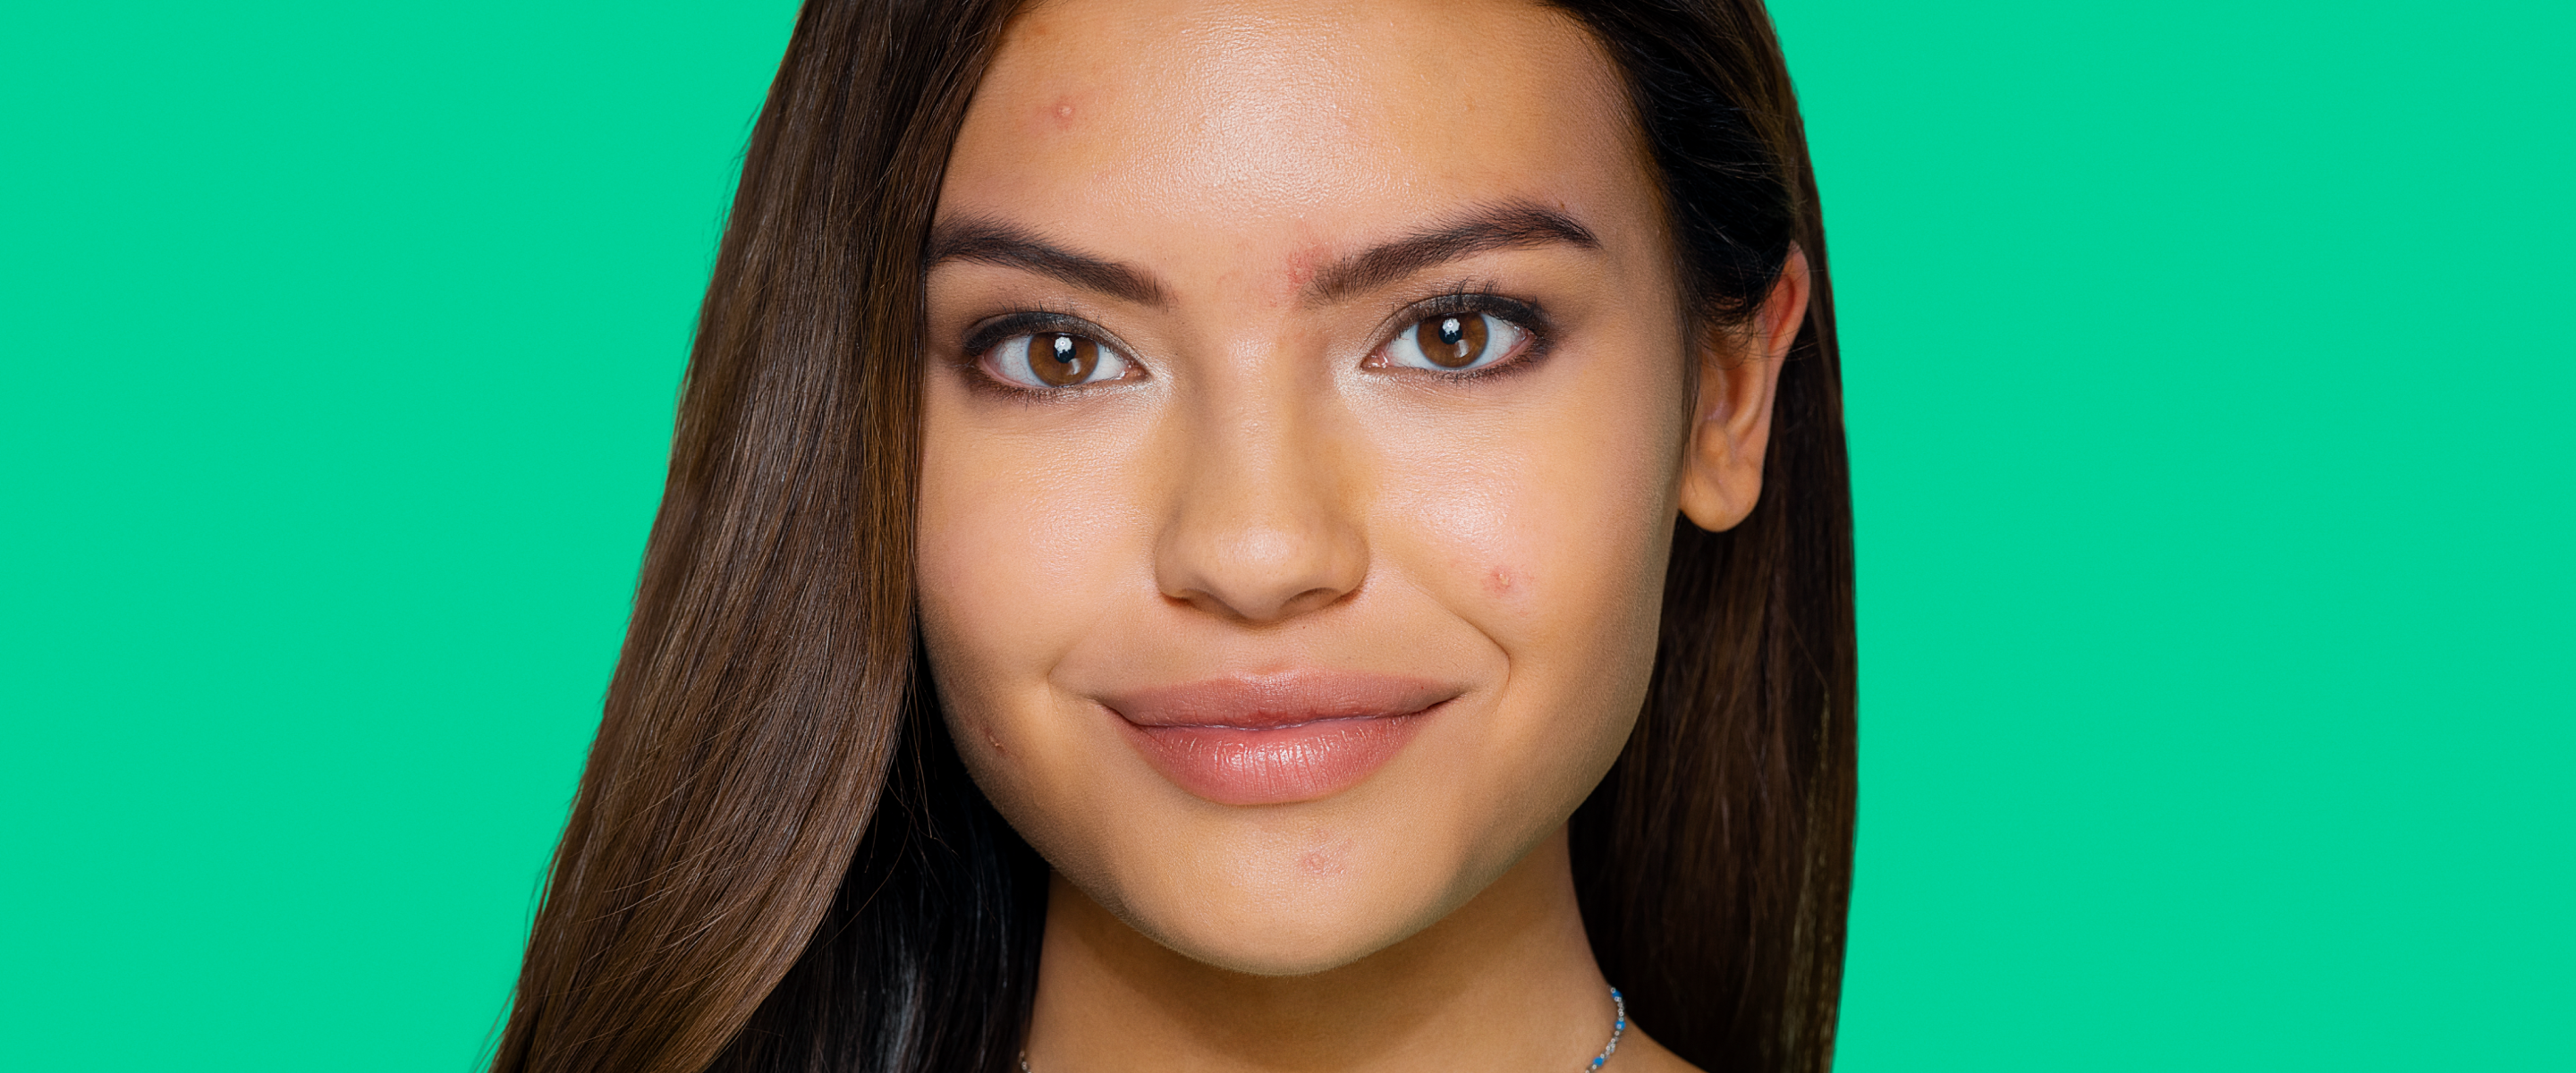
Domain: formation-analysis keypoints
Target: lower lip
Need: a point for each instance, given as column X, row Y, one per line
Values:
column 1275, row 765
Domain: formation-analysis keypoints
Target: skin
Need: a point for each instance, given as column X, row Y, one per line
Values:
column 1266, row 489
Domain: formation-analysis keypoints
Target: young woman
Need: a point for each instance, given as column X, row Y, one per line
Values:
column 1237, row 536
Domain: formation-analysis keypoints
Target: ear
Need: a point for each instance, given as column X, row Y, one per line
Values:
column 1731, row 426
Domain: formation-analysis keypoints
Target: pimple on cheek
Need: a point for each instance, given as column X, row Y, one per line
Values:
column 1500, row 581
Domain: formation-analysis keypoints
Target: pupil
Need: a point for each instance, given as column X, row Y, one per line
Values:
column 1064, row 348
column 1451, row 331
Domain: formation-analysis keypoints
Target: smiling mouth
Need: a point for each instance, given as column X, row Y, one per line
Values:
column 1276, row 739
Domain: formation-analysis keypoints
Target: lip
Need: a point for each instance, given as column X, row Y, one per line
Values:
column 1279, row 738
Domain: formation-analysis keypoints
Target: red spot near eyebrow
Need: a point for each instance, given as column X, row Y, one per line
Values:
column 1062, row 112
column 1303, row 264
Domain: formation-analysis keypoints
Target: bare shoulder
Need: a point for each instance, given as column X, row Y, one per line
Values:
column 1639, row 1053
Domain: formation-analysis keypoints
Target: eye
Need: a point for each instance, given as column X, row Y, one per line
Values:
column 1045, row 361
column 1455, row 342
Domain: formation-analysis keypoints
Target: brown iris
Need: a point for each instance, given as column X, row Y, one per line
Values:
column 1452, row 342
column 1062, row 360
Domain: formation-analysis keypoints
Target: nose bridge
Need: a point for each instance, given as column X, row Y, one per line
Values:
column 1262, row 525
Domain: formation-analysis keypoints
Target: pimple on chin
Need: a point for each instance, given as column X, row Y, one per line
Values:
column 1322, row 860
column 1327, row 858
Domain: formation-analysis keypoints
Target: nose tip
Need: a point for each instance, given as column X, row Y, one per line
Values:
column 1261, row 544
column 1262, row 575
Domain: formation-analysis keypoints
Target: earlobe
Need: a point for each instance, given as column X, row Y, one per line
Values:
column 1739, row 372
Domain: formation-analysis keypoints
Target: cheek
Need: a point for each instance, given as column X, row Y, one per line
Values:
column 1018, row 556
column 967, row 577
column 1547, row 535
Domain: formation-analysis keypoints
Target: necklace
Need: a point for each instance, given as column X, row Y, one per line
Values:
column 1618, row 1028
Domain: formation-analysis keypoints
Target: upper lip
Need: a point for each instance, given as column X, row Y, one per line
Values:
column 1273, row 701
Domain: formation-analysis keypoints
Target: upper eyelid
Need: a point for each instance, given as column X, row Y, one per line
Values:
column 1526, row 316
column 993, row 330
column 1464, row 298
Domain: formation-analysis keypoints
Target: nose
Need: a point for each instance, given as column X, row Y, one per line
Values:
column 1262, row 527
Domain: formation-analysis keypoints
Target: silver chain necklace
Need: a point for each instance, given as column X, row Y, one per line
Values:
column 1618, row 1028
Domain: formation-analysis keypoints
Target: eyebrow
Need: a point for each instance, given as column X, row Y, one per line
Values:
column 1511, row 225
column 992, row 243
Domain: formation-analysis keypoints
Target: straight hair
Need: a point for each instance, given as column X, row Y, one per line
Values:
column 776, row 861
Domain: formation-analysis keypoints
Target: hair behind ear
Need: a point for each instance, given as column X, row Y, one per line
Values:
column 1714, row 863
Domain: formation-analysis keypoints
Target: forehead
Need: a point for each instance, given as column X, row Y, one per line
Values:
column 1132, row 125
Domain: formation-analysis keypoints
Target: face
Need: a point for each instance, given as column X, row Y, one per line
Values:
column 1303, row 434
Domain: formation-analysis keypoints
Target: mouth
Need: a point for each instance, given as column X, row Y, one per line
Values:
column 1276, row 739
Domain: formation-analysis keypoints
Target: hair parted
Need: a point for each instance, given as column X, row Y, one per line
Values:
column 775, row 860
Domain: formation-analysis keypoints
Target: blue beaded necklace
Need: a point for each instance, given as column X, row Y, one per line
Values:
column 1618, row 1028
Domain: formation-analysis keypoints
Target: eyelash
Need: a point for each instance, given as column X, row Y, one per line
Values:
column 1463, row 299
column 992, row 333
column 1024, row 322
column 1460, row 299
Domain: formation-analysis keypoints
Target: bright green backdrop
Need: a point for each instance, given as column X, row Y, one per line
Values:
column 2210, row 386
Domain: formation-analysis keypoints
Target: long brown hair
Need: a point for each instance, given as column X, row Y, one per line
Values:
column 775, row 860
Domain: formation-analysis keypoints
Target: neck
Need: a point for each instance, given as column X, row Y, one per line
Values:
column 1507, row 982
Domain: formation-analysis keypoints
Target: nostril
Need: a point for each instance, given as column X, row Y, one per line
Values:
column 1315, row 599
column 1239, row 607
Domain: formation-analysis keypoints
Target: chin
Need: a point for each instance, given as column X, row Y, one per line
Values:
column 1305, row 954
column 1299, row 890
column 1260, row 942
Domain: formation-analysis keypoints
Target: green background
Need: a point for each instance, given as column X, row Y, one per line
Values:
column 2209, row 382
